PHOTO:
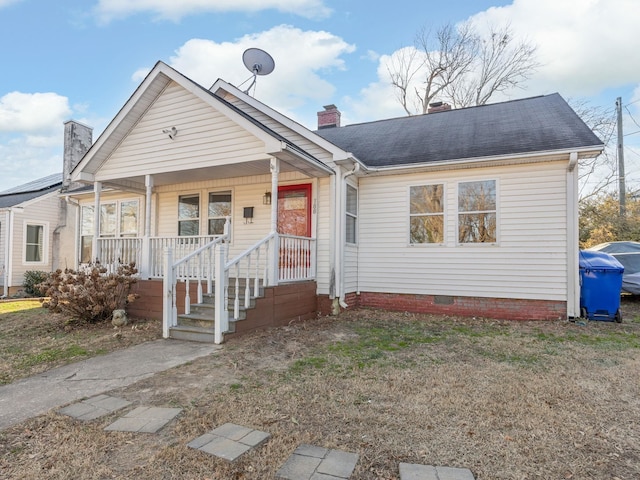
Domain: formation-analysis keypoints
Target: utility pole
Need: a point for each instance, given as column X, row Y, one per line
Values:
column 621, row 185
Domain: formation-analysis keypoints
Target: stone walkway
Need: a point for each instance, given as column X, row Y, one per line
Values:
column 230, row 441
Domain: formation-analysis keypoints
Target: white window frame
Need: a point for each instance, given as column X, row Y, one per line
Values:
column 442, row 214
column 219, row 192
column 118, row 232
column 45, row 243
column 198, row 219
column 352, row 215
column 495, row 212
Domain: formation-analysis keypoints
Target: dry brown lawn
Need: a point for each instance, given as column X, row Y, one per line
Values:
column 509, row 400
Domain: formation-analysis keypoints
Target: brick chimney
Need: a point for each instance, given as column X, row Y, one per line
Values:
column 77, row 141
column 329, row 117
column 436, row 107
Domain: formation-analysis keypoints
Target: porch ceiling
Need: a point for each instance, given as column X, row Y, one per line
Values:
column 245, row 169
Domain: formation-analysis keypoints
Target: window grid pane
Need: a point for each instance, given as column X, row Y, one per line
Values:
column 426, row 214
column 477, row 219
column 218, row 210
column 34, row 243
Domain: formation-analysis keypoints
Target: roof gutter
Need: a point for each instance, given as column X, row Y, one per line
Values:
column 587, row 152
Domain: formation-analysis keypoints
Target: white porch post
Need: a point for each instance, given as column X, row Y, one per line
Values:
column 275, row 255
column 145, row 268
column 169, row 314
column 221, row 317
column 95, row 247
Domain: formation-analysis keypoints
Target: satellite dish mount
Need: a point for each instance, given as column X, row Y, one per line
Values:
column 258, row 62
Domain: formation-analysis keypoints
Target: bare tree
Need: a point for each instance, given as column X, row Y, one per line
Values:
column 500, row 65
column 425, row 71
column 597, row 174
column 458, row 65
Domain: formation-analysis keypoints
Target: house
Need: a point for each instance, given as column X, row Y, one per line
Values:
column 33, row 218
column 231, row 210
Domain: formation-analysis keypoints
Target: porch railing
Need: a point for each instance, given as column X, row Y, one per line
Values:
column 197, row 267
column 297, row 258
column 273, row 259
column 119, row 251
column 181, row 247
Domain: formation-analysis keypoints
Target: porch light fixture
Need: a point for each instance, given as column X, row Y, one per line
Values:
column 266, row 198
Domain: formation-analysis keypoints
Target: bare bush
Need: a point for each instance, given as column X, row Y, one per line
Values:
column 90, row 294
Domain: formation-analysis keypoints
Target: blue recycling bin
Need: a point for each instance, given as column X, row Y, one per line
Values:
column 600, row 286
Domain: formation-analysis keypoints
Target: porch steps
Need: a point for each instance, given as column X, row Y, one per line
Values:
column 198, row 325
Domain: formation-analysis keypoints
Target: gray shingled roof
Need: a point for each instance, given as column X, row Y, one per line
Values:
column 519, row 126
column 29, row 191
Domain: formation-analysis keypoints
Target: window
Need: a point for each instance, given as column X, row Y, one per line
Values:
column 352, row 214
column 108, row 220
column 129, row 218
column 188, row 215
column 86, row 233
column 426, row 213
column 117, row 219
column 477, row 212
column 34, row 245
column 219, row 210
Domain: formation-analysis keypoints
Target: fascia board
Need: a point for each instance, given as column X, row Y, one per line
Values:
column 337, row 152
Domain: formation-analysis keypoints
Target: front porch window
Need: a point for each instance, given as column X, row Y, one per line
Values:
column 117, row 219
column 188, row 215
column 219, row 210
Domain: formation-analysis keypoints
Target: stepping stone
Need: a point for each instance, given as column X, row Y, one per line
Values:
column 412, row 471
column 144, row 420
column 229, row 441
column 309, row 462
column 94, row 407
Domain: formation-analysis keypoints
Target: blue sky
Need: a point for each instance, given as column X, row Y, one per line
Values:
column 82, row 59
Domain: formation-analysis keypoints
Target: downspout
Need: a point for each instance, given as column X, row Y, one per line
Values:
column 7, row 252
column 332, row 235
column 343, row 230
column 573, row 239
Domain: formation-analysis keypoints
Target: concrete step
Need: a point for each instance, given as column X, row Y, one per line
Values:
column 209, row 298
column 192, row 334
column 194, row 320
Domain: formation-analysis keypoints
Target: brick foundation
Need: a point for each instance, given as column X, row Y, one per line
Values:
column 498, row 308
column 280, row 305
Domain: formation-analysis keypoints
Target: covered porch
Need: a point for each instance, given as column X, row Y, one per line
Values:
column 231, row 237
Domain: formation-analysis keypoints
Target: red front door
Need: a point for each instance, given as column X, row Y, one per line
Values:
column 294, row 210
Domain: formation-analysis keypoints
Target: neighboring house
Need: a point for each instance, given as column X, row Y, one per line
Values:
column 33, row 218
column 470, row 211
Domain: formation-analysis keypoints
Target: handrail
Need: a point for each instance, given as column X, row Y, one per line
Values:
column 248, row 251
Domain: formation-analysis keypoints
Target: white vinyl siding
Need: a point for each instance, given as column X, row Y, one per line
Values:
column 205, row 138
column 530, row 260
column 36, row 212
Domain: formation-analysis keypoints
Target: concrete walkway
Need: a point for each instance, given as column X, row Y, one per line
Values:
column 36, row 395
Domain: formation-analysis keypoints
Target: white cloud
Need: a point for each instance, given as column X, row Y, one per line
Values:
column 584, row 46
column 108, row 10
column 31, row 132
column 300, row 59
column 6, row 3
column 32, row 112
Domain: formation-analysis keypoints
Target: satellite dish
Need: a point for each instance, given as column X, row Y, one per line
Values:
column 258, row 62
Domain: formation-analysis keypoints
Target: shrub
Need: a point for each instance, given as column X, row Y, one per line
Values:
column 32, row 280
column 90, row 294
